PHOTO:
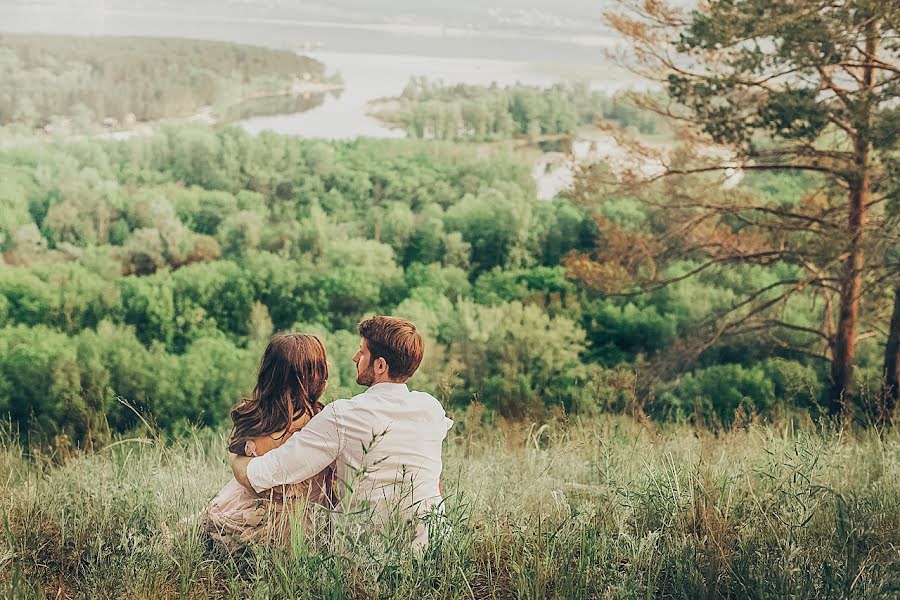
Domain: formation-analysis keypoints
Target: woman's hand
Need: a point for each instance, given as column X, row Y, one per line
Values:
column 239, row 468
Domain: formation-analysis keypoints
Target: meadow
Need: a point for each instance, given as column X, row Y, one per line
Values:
column 600, row 508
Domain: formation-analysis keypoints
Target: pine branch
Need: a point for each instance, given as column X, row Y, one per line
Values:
column 698, row 170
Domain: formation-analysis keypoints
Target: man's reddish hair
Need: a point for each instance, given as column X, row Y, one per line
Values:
column 396, row 341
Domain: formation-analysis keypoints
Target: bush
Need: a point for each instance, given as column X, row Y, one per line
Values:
column 54, row 383
column 713, row 395
column 515, row 358
column 618, row 331
column 62, row 295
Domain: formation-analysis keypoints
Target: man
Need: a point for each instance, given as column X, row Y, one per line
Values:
column 385, row 442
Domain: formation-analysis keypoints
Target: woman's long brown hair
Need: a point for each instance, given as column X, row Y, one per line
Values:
column 292, row 376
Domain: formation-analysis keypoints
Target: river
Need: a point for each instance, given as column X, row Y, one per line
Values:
column 368, row 77
column 375, row 59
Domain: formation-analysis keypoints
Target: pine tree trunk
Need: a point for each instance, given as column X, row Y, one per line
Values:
column 848, row 313
column 851, row 281
column 892, row 360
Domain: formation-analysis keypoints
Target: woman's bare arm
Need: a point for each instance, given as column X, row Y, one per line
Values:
column 239, row 468
column 305, row 454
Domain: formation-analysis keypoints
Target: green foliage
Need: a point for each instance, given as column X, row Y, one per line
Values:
column 627, row 213
column 213, row 295
column 54, row 383
column 15, row 189
column 715, row 395
column 618, row 331
column 149, row 306
column 498, row 286
column 66, row 296
column 433, row 110
column 786, row 189
column 42, row 374
column 203, row 211
column 212, row 372
column 561, row 228
column 355, row 277
column 142, row 259
column 496, row 223
column 516, row 358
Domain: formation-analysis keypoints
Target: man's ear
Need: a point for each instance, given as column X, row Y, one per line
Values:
column 381, row 365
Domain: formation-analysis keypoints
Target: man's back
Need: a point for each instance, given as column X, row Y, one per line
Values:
column 391, row 454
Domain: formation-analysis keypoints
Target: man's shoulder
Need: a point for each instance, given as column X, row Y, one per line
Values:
column 342, row 405
column 333, row 410
column 348, row 402
column 365, row 398
column 425, row 398
column 338, row 405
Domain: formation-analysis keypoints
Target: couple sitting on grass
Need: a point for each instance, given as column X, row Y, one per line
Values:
column 378, row 453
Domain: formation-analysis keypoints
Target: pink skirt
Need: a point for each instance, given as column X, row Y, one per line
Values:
column 237, row 517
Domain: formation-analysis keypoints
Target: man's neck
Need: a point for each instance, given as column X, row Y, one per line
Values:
column 391, row 381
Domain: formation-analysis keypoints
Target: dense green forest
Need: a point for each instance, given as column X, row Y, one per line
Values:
column 90, row 79
column 144, row 276
column 433, row 110
column 154, row 269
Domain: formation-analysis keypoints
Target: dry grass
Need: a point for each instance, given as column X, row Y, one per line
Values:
column 604, row 508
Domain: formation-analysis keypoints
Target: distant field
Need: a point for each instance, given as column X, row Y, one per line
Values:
column 605, row 509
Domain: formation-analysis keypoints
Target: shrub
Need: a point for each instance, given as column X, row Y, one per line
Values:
column 514, row 357
column 714, row 394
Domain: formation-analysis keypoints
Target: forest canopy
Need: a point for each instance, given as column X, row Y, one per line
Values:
column 154, row 269
column 434, row 110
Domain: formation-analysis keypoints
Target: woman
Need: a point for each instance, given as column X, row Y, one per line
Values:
column 292, row 377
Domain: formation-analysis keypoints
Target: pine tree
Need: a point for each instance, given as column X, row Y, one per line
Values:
column 800, row 86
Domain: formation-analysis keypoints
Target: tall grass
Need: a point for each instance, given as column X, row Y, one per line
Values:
column 606, row 508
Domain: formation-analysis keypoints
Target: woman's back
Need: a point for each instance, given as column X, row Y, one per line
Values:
column 293, row 374
column 237, row 516
column 262, row 444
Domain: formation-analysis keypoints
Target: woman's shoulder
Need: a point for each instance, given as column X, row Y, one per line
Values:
column 262, row 444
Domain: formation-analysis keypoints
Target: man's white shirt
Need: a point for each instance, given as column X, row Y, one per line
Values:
column 386, row 446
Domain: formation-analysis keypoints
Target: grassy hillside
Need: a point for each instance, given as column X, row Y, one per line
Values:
column 600, row 509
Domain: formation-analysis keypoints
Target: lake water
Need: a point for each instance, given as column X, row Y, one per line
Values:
column 368, row 77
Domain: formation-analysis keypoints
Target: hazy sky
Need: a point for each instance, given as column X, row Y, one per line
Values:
column 563, row 31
